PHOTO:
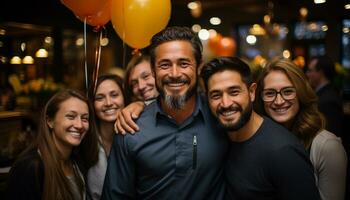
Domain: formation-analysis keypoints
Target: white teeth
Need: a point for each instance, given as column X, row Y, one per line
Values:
column 75, row 134
column 176, row 84
column 109, row 111
column 280, row 109
column 228, row 113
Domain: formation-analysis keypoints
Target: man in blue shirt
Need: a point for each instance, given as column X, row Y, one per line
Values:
column 178, row 153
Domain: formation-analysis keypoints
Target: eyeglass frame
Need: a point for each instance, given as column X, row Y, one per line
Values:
column 280, row 92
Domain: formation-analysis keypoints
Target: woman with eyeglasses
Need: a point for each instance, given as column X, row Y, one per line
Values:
column 284, row 94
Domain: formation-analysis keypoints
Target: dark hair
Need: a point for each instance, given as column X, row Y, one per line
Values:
column 117, row 79
column 327, row 66
column 135, row 60
column 177, row 33
column 56, row 185
column 226, row 63
column 309, row 121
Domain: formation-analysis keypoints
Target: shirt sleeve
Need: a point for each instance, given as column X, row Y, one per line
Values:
column 292, row 174
column 332, row 170
column 119, row 181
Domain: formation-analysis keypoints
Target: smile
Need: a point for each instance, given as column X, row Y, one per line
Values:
column 281, row 110
column 110, row 111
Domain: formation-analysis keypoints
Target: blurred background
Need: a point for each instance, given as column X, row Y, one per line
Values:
column 42, row 48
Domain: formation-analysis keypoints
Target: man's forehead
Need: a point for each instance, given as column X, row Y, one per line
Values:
column 225, row 80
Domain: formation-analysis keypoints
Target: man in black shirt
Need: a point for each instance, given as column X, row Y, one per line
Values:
column 266, row 161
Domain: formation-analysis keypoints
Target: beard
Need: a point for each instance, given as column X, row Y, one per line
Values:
column 175, row 101
column 244, row 118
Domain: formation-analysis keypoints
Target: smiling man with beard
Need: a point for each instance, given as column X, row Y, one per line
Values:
column 265, row 161
column 177, row 153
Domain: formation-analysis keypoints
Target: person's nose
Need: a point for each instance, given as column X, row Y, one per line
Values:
column 279, row 99
column 78, row 123
column 108, row 101
column 226, row 101
column 175, row 72
column 142, row 84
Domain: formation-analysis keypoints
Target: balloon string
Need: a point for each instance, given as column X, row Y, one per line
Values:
column 124, row 46
column 97, row 60
column 85, row 58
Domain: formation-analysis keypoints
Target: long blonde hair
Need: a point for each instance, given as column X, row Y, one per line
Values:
column 308, row 121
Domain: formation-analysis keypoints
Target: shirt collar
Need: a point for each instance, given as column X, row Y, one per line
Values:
column 200, row 110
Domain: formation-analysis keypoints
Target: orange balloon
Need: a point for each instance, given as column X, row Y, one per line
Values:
column 84, row 8
column 101, row 17
column 136, row 21
column 227, row 47
column 214, row 42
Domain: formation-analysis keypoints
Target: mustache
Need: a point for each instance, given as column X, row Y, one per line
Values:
column 169, row 80
column 232, row 108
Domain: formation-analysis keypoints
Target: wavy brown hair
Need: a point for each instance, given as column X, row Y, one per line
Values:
column 308, row 121
column 56, row 185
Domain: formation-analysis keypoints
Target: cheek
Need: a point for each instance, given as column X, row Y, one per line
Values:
column 267, row 108
column 97, row 106
column 213, row 106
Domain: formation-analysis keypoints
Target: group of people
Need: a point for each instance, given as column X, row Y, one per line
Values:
column 239, row 139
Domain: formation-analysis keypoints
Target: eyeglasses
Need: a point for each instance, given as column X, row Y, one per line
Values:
column 287, row 93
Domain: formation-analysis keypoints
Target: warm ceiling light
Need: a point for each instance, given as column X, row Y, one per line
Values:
column 196, row 8
column 41, row 53
column 2, row 31
column 15, row 60
column 196, row 28
column 267, row 19
column 319, row 1
column 193, row 5
column 48, row 40
column 79, row 42
column 251, row 39
column 346, row 30
column 324, row 28
column 215, row 21
column 203, row 34
column 303, row 12
column 28, row 60
column 3, row 59
column 23, row 46
column 347, row 6
column 104, row 42
column 257, row 30
column 286, row 54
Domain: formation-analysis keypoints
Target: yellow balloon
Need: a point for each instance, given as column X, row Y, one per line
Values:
column 136, row 21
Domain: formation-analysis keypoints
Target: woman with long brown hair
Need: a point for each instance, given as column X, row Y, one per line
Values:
column 108, row 100
column 66, row 146
column 284, row 94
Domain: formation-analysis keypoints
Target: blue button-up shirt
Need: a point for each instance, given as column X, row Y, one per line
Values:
column 166, row 160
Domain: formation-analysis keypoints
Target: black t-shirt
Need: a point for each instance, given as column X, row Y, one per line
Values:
column 271, row 165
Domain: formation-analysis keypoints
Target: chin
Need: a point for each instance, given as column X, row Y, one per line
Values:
column 280, row 119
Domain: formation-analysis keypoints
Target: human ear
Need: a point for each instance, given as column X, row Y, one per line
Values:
column 49, row 123
column 252, row 90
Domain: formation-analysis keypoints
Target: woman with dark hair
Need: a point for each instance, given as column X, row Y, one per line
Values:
column 108, row 99
column 53, row 167
column 284, row 94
